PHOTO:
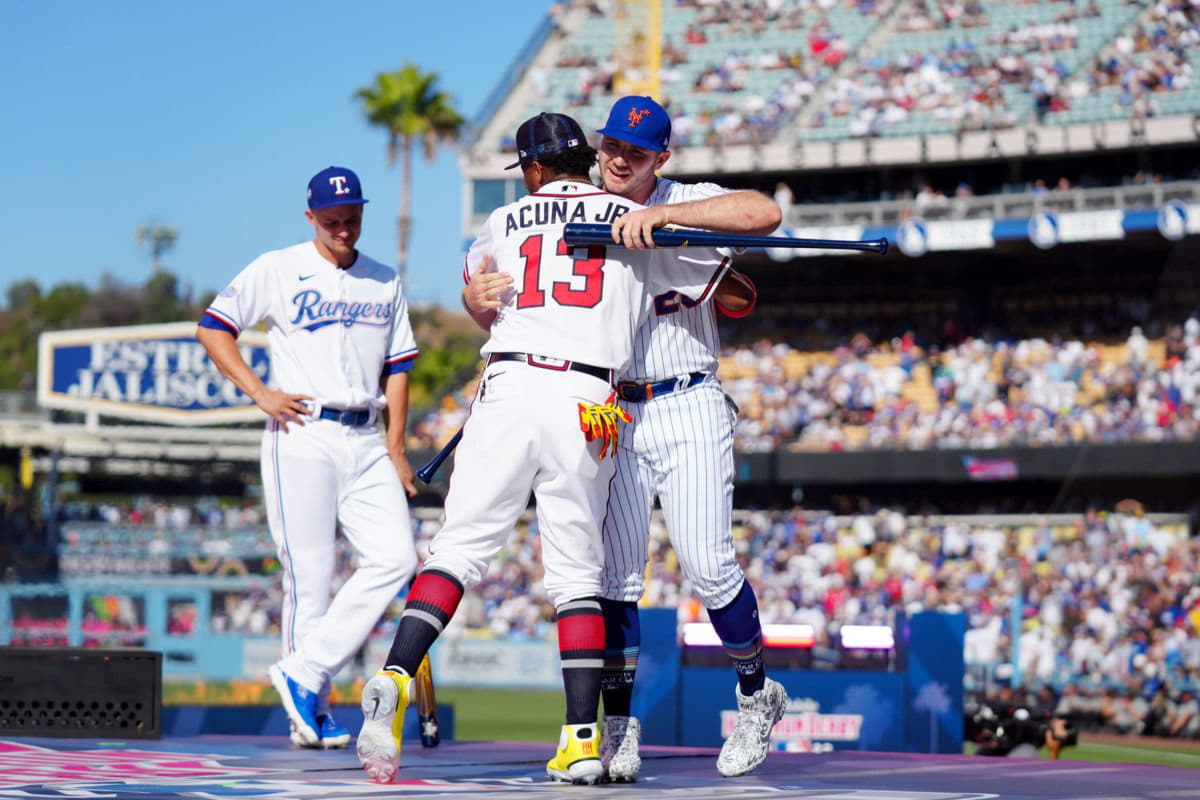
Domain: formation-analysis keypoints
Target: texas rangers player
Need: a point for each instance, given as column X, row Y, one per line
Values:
column 679, row 447
column 341, row 347
column 542, row 420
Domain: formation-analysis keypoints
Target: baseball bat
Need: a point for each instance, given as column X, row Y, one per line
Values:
column 427, row 471
column 427, row 716
column 582, row 233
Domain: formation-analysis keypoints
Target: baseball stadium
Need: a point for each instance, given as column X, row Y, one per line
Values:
column 965, row 465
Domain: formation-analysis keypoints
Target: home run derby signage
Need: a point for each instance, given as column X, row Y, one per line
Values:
column 153, row 373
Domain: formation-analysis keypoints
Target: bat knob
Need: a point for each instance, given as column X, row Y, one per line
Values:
column 883, row 246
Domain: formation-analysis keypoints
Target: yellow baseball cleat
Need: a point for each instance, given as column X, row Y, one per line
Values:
column 578, row 756
column 385, row 698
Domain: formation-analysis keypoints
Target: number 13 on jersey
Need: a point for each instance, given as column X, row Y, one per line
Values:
column 564, row 293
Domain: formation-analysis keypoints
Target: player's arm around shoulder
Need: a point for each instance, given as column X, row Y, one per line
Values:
column 743, row 211
column 485, row 289
column 485, row 293
column 700, row 206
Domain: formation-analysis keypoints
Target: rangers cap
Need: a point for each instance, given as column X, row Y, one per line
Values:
column 334, row 186
column 639, row 121
column 546, row 134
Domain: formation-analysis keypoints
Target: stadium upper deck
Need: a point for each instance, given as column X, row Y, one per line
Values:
column 777, row 86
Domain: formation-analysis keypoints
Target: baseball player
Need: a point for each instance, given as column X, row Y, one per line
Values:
column 542, row 421
column 341, row 346
column 678, row 447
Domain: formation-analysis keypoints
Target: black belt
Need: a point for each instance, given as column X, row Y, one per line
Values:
column 641, row 392
column 346, row 416
column 557, row 364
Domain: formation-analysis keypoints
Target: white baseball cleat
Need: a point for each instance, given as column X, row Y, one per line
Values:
column 746, row 747
column 384, row 700
column 619, row 749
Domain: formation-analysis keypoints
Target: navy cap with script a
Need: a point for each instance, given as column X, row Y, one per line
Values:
column 639, row 121
column 334, row 186
column 546, row 134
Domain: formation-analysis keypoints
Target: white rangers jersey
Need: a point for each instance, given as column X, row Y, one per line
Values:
column 333, row 333
column 680, row 335
column 580, row 304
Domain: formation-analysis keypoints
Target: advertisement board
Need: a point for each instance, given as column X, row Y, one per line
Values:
column 152, row 373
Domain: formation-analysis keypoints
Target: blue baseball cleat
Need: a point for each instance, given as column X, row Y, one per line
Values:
column 300, row 705
column 333, row 734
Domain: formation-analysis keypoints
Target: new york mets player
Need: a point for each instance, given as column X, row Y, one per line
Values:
column 341, row 346
column 679, row 447
column 561, row 321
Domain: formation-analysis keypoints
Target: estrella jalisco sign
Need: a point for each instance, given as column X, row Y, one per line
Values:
column 153, row 373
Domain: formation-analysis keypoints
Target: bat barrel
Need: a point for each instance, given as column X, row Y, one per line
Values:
column 581, row 233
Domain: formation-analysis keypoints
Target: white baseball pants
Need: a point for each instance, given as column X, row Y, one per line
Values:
column 680, row 448
column 318, row 478
column 524, row 435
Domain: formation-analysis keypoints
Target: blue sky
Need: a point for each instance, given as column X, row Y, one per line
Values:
column 212, row 116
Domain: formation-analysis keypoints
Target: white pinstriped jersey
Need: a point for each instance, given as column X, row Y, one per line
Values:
column 581, row 304
column 333, row 333
column 680, row 336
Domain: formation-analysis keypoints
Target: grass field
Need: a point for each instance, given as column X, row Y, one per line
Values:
column 1135, row 753
column 507, row 715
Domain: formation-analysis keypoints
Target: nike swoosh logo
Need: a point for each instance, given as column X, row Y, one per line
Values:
column 376, row 708
column 306, row 277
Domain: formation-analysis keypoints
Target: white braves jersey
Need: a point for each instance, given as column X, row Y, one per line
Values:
column 333, row 333
column 579, row 304
column 680, row 335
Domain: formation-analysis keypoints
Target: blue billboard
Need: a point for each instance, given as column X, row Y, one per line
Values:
column 154, row 373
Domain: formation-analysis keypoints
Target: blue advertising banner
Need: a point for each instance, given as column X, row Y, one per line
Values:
column 827, row 710
column 154, row 373
column 935, row 681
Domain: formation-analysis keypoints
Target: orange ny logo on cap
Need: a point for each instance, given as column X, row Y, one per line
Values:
column 636, row 116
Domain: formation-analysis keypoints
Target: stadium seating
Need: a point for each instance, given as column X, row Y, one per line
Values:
column 1103, row 602
column 823, row 70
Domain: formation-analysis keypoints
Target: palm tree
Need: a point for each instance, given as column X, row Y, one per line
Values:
column 409, row 106
column 159, row 239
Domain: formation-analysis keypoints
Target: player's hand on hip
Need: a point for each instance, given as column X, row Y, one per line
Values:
column 635, row 230
column 405, row 471
column 487, row 289
column 283, row 407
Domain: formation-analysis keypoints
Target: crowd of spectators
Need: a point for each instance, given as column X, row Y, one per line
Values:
column 958, row 82
column 961, row 82
column 976, row 393
column 1153, row 59
column 206, row 512
column 1105, row 603
column 705, row 85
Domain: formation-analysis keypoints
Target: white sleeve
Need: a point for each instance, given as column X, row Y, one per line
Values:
column 694, row 272
column 687, row 192
column 245, row 302
column 402, row 349
column 482, row 246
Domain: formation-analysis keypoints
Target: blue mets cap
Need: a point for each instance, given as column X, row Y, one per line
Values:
column 334, row 186
column 639, row 121
column 545, row 134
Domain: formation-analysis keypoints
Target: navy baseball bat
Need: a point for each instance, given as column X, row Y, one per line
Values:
column 580, row 233
column 427, row 471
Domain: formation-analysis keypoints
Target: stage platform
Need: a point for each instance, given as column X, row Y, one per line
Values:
column 268, row 767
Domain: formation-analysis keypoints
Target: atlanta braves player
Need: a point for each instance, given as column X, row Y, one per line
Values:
column 341, row 347
column 542, row 420
column 679, row 447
